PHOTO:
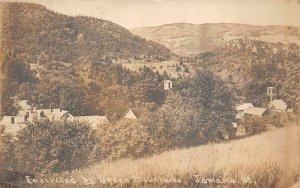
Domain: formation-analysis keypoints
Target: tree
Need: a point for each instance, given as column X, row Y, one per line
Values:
column 214, row 97
column 174, row 124
column 124, row 139
column 148, row 90
column 50, row 146
column 196, row 112
column 73, row 99
column 67, row 95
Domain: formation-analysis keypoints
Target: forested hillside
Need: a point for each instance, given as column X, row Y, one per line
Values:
column 32, row 29
column 79, row 50
column 252, row 66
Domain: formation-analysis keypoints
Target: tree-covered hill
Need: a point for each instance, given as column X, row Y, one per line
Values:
column 252, row 66
column 34, row 32
column 79, row 51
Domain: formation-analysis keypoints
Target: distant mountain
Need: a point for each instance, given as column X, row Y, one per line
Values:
column 32, row 31
column 190, row 39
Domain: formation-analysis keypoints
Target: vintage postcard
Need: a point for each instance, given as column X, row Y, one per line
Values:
column 150, row 93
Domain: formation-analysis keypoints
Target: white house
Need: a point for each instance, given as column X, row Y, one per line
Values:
column 255, row 111
column 243, row 106
column 51, row 114
column 12, row 124
column 130, row 114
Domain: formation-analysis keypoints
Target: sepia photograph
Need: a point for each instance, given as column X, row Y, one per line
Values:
column 150, row 93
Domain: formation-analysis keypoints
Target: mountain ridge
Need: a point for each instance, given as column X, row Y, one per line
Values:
column 189, row 39
column 32, row 27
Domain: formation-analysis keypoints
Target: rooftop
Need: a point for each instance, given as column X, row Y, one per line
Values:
column 255, row 111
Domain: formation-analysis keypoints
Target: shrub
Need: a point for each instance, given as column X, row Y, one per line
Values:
column 174, row 124
column 125, row 139
column 50, row 146
column 274, row 119
column 186, row 69
column 254, row 124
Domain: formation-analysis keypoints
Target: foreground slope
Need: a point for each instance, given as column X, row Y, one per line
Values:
column 270, row 159
column 190, row 39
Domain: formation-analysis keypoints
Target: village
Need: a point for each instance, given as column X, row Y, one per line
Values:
column 11, row 125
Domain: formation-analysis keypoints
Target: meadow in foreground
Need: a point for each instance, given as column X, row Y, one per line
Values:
column 267, row 160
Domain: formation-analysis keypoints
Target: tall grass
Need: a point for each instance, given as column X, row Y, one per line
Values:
column 268, row 160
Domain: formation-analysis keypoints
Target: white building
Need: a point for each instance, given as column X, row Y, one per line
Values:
column 12, row 125
column 243, row 106
column 130, row 114
column 168, row 84
column 255, row 111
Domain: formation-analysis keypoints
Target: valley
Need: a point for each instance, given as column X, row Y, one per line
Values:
column 85, row 100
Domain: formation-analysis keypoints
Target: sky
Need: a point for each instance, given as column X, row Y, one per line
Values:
column 142, row 13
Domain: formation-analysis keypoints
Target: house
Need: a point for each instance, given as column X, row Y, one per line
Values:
column 28, row 113
column 51, row 114
column 45, row 113
column 240, row 109
column 130, row 114
column 247, row 110
column 255, row 111
column 278, row 105
column 243, row 106
column 59, row 114
column 12, row 124
column 56, row 114
column 94, row 121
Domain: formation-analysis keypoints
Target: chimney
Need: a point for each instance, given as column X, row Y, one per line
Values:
column 12, row 120
column 25, row 118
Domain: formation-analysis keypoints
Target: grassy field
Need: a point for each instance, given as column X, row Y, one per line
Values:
column 267, row 160
column 169, row 66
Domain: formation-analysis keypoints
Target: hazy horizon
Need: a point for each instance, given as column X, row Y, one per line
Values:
column 147, row 13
